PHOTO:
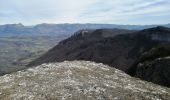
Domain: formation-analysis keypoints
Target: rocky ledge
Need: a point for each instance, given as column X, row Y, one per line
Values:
column 77, row 80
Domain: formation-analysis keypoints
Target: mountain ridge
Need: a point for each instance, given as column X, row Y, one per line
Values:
column 118, row 50
column 62, row 29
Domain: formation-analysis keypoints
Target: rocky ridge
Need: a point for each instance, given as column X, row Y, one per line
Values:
column 77, row 80
column 115, row 47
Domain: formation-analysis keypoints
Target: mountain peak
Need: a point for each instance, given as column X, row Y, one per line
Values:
column 20, row 25
column 162, row 28
column 15, row 25
column 77, row 80
column 158, row 29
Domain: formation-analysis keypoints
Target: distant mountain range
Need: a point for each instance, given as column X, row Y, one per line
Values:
column 118, row 48
column 62, row 29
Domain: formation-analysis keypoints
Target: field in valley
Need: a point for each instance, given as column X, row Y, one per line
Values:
column 17, row 51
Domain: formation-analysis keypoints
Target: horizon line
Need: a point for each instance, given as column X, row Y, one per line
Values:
column 81, row 24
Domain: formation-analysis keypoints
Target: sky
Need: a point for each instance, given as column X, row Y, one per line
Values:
column 134, row 12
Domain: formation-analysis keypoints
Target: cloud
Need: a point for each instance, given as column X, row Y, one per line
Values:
column 85, row 11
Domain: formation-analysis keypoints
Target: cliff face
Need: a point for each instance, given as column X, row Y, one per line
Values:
column 77, row 80
column 156, row 71
column 154, row 65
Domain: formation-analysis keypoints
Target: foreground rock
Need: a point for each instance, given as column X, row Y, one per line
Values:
column 77, row 80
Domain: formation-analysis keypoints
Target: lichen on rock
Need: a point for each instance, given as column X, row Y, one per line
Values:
column 77, row 80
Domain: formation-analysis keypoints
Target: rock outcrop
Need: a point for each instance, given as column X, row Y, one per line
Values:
column 156, row 71
column 77, row 80
column 154, row 65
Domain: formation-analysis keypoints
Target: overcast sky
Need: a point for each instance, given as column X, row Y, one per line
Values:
column 30, row 12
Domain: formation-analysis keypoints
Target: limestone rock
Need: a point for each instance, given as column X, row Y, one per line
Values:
column 77, row 80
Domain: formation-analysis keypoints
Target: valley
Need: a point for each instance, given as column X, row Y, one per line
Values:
column 85, row 50
column 138, row 54
column 18, row 51
column 124, row 49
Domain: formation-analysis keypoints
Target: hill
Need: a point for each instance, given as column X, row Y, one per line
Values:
column 105, row 46
column 77, row 80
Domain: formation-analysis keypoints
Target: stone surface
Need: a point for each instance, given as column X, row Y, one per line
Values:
column 77, row 80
